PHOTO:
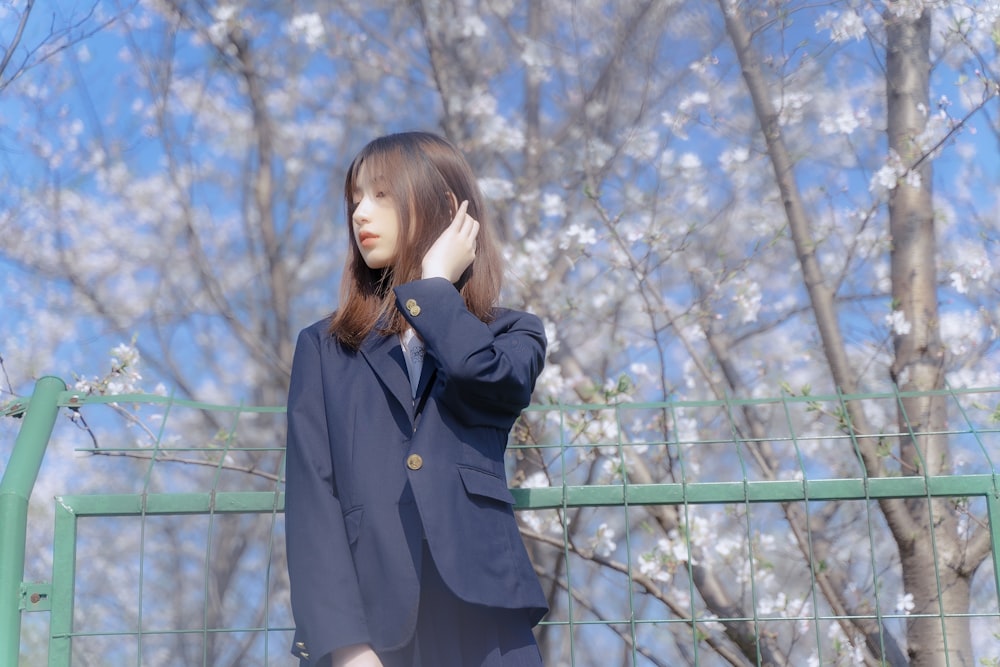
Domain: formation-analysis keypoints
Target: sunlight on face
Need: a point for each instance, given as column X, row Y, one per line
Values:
column 375, row 222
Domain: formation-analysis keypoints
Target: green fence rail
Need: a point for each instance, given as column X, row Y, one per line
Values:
column 665, row 533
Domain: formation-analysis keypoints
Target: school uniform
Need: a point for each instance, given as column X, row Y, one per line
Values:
column 399, row 523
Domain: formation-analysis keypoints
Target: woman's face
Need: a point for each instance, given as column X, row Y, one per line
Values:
column 375, row 222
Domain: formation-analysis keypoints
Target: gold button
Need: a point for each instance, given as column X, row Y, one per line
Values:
column 412, row 307
column 414, row 462
column 300, row 645
column 303, row 655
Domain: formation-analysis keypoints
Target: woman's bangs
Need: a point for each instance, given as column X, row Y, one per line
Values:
column 369, row 169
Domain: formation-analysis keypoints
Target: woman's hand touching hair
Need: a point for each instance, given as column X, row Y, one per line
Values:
column 356, row 655
column 453, row 251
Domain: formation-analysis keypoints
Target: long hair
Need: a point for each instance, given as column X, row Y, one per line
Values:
column 424, row 174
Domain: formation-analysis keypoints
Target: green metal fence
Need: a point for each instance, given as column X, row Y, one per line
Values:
column 665, row 533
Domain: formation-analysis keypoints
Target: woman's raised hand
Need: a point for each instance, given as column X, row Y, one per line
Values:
column 453, row 251
column 356, row 655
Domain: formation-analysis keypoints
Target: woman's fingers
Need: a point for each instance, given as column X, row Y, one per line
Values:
column 462, row 220
column 468, row 227
column 455, row 249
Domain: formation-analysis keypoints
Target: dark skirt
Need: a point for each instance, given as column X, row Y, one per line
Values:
column 454, row 633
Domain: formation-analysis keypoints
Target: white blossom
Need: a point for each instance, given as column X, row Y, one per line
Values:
column 122, row 378
column 768, row 604
column 961, row 331
column 974, row 268
column 225, row 16
column 727, row 546
column 692, row 100
column 611, row 471
column 792, row 106
column 536, row 480
column 496, row 188
column 553, row 206
column 888, row 176
column 843, row 122
column 652, row 564
column 536, row 59
column 642, row 373
column 309, row 28
column 897, row 323
column 689, row 161
column 842, row 26
column 748, row 300
column 578, row 234
column 124, row 355
column 731, row 157
column 603, row 543
column 472, row 26
column 643, row 145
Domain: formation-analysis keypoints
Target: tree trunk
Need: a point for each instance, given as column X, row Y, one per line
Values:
column 929, row 554
column 934, row 570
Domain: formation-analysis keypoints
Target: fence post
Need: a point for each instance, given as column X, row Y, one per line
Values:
column 15, row 491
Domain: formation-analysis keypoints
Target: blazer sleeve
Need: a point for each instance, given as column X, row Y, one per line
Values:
column 490, row 370
column 326, row 598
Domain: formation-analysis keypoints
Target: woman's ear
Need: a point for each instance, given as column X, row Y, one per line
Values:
column 453, row 203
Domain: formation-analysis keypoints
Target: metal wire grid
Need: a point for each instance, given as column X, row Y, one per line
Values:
column 775, row 607
column 195, row 550
column 622, row 506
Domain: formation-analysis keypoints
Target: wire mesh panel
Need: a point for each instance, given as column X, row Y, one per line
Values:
column 730, row 532
column 186, row 581
column 753, row 532
column 179, row 560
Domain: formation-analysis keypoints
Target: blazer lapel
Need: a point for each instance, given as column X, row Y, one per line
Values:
column 385, row 356
column 427, row 373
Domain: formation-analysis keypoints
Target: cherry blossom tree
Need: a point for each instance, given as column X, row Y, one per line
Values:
column 702, row 200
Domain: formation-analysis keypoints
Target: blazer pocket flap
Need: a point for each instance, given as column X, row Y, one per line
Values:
column 482, row 483
column 352, row 523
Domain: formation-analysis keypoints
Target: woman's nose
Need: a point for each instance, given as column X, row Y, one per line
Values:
column 360, row 215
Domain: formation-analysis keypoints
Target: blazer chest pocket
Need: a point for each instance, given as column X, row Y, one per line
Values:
column 482, row 483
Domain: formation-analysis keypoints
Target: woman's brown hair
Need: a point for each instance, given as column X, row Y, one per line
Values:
column 424, row 175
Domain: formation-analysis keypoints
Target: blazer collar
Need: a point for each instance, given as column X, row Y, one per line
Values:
column 385, row 356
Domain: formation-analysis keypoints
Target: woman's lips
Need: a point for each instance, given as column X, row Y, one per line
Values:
column 367, row 239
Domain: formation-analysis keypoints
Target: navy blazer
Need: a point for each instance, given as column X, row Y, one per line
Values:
column 371, row 471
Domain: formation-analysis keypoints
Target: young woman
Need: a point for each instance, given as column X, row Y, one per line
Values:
column 403, row 549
